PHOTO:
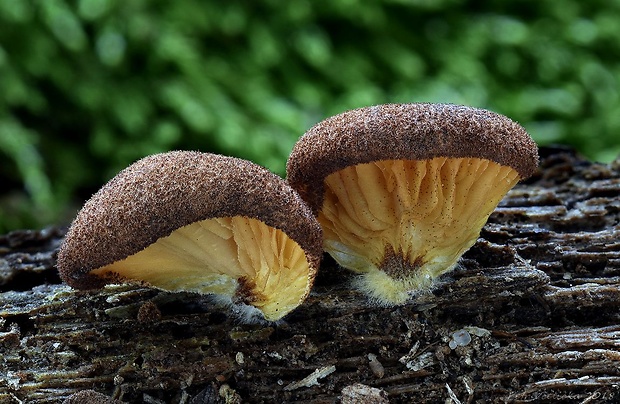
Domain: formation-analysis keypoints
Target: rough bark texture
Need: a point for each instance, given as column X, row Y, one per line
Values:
column 538, row 295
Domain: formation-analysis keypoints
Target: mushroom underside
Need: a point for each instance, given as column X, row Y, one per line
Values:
column 403, row 223
column 237, row 257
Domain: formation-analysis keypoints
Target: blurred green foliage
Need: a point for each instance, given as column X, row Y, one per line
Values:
column 88, row 86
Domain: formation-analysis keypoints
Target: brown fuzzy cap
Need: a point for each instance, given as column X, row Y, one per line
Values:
column 90, row 397
column 405, row 132
column 161, row 193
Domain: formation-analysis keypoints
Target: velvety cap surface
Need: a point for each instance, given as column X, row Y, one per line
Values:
column 406, row 132
column 90, row 397
column 160, row 193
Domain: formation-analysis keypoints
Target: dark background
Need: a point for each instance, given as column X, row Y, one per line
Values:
column 87, row 87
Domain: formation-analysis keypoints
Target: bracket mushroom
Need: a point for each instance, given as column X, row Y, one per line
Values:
column 403, row 190
column 197, row 222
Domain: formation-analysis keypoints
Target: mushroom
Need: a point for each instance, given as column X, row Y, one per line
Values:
column 403, row 190
column 90, row 397
column 197, row 222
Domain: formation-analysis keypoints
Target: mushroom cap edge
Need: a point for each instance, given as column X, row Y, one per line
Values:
column 417, row 131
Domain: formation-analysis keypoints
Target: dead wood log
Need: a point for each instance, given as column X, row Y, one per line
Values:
column 534, row 305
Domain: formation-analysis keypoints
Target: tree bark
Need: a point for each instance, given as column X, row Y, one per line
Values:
column 530, row 315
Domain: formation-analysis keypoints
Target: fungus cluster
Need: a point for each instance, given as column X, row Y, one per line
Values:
column 403, row 190
column 197, row 222
column 396, row 193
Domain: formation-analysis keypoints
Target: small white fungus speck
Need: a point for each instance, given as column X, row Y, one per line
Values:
column 459, row 338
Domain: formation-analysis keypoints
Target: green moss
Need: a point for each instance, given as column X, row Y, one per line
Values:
column 90, row 86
